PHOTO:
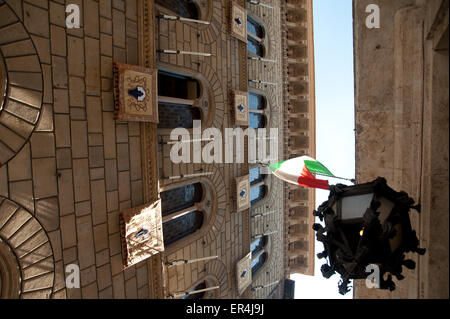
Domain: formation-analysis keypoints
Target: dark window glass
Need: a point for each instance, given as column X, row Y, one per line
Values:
column 179, row 86
column 258, row 262
column 255, row 28
column 256, row 101
column 180, row 227
column 257, row 193
column 257, row 245
column 177, row 115
column 180, row 198
column 255, row 47
column 183, row 8
column 198, row 295
column 257, row 120
column 256, row 176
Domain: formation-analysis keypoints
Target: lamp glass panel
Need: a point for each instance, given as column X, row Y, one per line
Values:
column 385, row 208
column 354, row 207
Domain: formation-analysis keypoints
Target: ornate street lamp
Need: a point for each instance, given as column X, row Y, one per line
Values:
column 366, row 224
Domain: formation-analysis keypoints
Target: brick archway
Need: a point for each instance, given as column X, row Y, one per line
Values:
column 26, row 253
column 22, row 85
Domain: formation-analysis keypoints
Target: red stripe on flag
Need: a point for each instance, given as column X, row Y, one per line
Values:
column 313, row 182
column 306, row 173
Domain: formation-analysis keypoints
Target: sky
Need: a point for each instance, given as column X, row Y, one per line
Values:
column 335, row 139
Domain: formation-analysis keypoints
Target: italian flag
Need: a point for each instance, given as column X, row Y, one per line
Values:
column 300, row 170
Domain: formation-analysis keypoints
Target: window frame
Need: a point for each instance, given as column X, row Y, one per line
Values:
column 262, row 182
column 176, row 101
column 262, row 41
column 198, row 206
column 262, row 111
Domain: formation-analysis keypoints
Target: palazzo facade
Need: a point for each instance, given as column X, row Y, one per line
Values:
column 68, row 168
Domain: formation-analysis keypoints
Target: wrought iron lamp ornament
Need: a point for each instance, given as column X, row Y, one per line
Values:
column 366, row 224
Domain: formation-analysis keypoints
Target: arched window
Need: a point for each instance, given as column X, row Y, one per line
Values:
column 177, row 99
column 177, row 86
column 255, row 176
column 258, row 245
column 181, row 216
column 258, row 262
column 257, row 120
column 255, row 35
column 257, row 104
column 259, row 255
column 258, row 189
column 256, row 101
column 198, row 295
column 255, row 46
column 181, row 226
column 182, row 8
column 254, row 28
column 180, row 198
column 257, row 193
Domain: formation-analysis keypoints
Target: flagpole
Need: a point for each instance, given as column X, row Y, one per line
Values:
column 343, row 178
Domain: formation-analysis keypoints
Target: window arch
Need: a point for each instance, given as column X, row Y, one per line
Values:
column 258, row 189
column 177, row 100
column 199, row 295
column 182, row 8
column 181, row 212
column 255, row 36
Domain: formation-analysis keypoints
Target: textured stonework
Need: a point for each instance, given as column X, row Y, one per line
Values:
column 26, row 267
column 401, row 96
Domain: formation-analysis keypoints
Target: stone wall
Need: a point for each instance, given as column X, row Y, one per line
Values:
column 401, row 96
column 72, row 167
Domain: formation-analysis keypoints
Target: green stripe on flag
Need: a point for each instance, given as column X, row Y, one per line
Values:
column 273, row 167
column 317, row 167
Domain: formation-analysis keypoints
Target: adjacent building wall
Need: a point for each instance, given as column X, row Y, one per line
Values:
column 401, row 96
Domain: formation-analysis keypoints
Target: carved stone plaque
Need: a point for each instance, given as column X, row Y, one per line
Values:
column 141, row 230
column 136, row 92
column 238, row 23
column 240, row 108
column 242, row 193
column 244, row 273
